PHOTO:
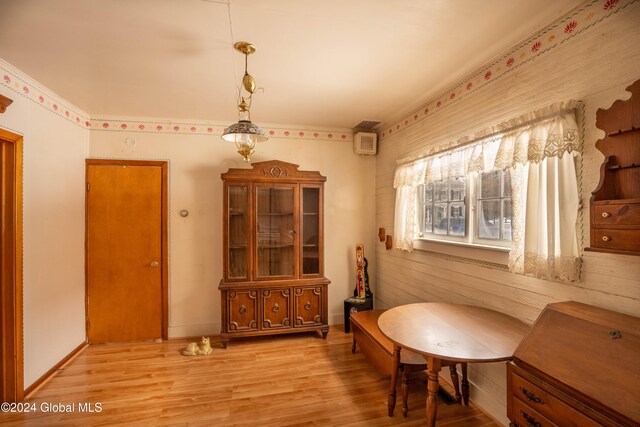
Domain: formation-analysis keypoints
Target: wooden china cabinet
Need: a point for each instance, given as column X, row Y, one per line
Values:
column 273, row 252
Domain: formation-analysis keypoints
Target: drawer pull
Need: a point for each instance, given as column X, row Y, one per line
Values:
column 531, row 395
column 307, row 306
column 243, row 309
column 530, row 419
column 606, row 214
column 606, row 238
column 276, row 308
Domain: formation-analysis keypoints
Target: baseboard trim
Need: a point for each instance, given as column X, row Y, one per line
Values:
column 54, row 370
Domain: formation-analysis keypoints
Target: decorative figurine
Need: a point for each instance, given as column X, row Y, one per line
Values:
column 362, row 298
column 367, row 290
column 362, row 276
column 359, row 292
column 194, row 349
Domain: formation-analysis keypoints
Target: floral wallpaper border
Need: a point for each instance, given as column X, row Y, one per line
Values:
column 579, row 20
column 212, row 128
column 27, row 87
column 593, row 12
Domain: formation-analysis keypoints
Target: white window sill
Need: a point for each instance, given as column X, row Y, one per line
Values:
column 477, row 252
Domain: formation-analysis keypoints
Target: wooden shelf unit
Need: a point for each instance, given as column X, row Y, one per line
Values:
column 273, row 252
column 615, row 203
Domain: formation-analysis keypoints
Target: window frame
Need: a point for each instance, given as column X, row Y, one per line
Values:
column 421, row 202
column 436, row 242
column 477, row 180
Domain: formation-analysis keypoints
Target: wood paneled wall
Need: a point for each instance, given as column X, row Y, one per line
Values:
column 595, row 67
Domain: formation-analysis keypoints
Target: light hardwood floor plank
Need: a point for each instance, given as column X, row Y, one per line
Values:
column 280, row 381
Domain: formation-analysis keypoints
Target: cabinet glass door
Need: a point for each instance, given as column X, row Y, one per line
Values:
column 238, row 223
column 275, row 231
column 311, row 230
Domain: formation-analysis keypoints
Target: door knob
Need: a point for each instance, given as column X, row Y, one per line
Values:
column 154, row 263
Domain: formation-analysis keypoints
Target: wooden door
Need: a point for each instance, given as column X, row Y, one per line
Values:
column 11, row 346
column 126, row 251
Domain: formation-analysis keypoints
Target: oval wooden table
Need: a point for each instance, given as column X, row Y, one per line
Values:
column 448, row 332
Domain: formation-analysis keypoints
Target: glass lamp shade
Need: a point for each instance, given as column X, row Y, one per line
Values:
column 245, row 135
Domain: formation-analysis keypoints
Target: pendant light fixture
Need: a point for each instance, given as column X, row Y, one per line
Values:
column 244, row 133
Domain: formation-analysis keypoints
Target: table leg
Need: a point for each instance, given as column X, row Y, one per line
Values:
column 456, row 382
column 395, row 366
column 433, row 367
column 405, row 369
column 465, row 385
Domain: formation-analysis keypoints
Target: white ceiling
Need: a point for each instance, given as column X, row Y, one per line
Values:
column 321, row 62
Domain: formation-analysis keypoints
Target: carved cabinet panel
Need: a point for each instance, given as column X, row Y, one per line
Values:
column 243, row 310
column 273, row 251
column 276, row 308
column 308, row 306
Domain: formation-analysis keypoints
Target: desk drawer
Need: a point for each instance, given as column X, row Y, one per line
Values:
column 617, row 239
column 617, row 214
column 546, row 404
column 524, row 416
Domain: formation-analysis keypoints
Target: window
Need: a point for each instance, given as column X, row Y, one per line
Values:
column 443, row 210
column 494, row 206
column 443, row 207
column 545, row 143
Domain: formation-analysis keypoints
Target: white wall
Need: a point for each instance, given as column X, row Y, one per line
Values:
column 56, row 143
column 595, row 66
column 55, row 147
column 195, row 242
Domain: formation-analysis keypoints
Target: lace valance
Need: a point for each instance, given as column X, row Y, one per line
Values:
column 548, row 132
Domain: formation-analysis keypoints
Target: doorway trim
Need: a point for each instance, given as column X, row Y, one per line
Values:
column 11, row 322
column 164, row 238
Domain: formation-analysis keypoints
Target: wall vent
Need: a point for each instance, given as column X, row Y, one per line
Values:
column 365, row 143
column 367, row 124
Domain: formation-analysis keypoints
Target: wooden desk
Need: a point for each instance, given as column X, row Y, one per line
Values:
column 448, row 332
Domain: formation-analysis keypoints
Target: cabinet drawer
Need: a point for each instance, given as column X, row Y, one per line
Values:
column 617, row 214
column 308, row 306
column 546, row 404
column 617, row 239
column 524, row 416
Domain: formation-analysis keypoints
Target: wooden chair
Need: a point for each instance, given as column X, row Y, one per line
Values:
column 378, row 350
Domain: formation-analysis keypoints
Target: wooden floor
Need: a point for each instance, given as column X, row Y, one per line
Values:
column 283, row 381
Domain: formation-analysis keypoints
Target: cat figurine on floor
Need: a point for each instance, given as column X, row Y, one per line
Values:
column 194, row 349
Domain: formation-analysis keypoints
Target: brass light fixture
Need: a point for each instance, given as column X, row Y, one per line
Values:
column 244, row 133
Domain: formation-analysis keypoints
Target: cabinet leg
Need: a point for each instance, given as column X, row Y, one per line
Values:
column 225, row 343
column 325, row 332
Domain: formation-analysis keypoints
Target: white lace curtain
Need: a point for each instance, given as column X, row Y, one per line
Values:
column 544, row 187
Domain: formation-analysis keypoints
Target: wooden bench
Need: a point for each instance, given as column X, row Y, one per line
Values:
column 378, row 350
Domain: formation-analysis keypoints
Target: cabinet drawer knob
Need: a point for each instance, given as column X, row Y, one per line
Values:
column 606, row 214
column 530, row 419
column 531, row 395
column 606, row 238
column 307, row 306
column 276, row 308
column 243, row 309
